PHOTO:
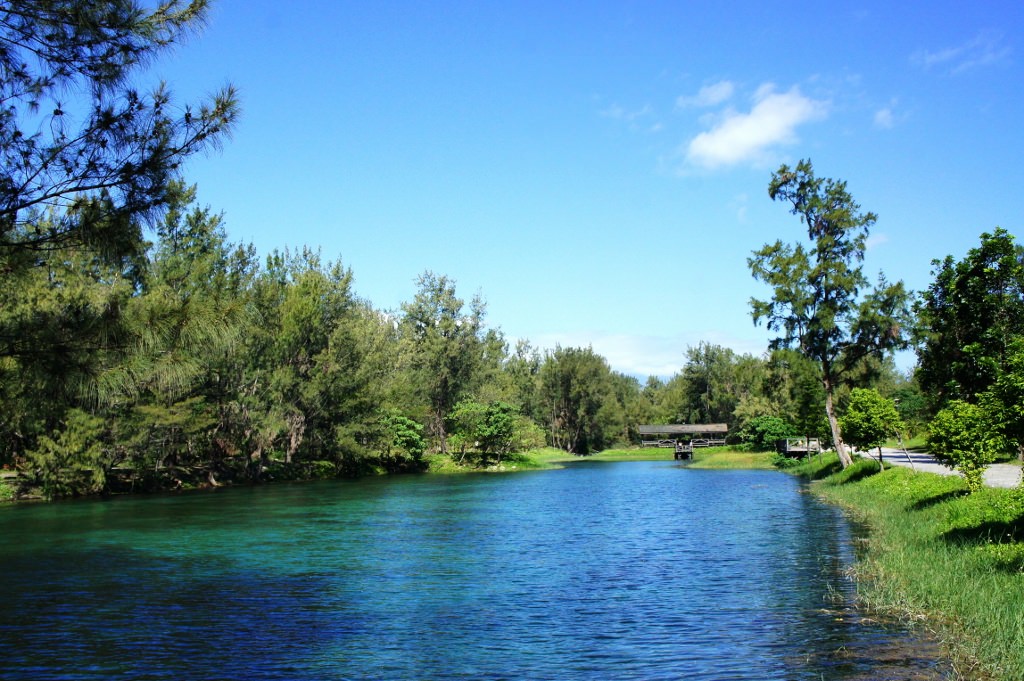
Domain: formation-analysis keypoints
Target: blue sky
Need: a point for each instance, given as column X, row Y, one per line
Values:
column 598, row 171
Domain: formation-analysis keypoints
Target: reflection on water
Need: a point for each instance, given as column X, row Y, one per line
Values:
column 600, row 571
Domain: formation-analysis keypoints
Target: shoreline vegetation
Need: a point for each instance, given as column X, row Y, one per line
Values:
column 937, row 556
column 13, row 486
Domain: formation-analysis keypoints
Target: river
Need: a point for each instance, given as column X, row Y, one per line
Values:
column 598, row 571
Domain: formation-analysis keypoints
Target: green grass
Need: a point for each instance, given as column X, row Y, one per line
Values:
column 711, row 458
column 8, row 490
column 634, row 454
column 536, row 459
column 726, row 458
column 917, row 443
column 939, row 556
column 549, row 457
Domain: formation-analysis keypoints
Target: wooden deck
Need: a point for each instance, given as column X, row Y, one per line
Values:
column 798, row 447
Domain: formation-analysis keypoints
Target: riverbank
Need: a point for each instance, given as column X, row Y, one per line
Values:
column 709, row 458
column 537, row 459
column 950, row 561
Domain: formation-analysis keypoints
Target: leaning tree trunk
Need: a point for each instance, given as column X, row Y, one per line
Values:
column 833, row 423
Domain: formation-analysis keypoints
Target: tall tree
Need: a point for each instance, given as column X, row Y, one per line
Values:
column 188, row 318
column 709, row 377
column 522, row 368
column 59, row 323
column 631, row 407
column 444, row 345
column 1003, row 402
column 794, row 384
column 717, row 380
column 576, row 392
column 816, row 302
column 968, row 318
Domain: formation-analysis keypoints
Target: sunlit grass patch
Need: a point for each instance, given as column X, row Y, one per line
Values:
column 817, row 466
column 535, row 459
column 635, row 454
column 727, row 458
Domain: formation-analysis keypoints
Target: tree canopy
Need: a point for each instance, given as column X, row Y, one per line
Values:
column 968, row 318
column 84, row 155
column 870, row 419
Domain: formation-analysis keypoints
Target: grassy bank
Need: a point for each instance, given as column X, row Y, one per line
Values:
column 724, row 458
column 548, row 457
column 936, row 555
column 712, row 457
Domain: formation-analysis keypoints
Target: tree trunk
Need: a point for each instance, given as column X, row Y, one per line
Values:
column 833, row 423
column 296, row 429
column 437, row 427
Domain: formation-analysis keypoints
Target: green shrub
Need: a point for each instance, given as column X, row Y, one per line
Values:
column 761, row 432
column 962, row 437
column 8, row 492
column 870, row 419
column 74, row 460
column 322, row 470
column 784, row 462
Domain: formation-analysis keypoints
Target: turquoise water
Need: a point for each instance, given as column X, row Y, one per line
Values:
column 599, row 571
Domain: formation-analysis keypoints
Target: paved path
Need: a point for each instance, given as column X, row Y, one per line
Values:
column 996, row 475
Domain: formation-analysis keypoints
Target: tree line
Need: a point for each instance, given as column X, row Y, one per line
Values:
column 141, row 349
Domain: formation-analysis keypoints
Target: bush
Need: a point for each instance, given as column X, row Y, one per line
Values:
column 528, row 435
column 870, row 419
column 8, row 492
column 402, row 437
column 961, row 437
column 73, row 461
column 784, row 462
column 761, row 432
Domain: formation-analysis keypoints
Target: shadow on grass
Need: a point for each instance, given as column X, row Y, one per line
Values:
column 826, row 470
column 928, row 502
column 859, row 471
column 994, row 531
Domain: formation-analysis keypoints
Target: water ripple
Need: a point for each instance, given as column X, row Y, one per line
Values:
column 615, row 571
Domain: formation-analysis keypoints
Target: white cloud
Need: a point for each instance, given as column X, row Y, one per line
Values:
column 709, row 95
column 884, row 119
column 641, row 355
column 619, row 113
column 630, row 354
column 743, row 137
column 984, row 49
column 740, row 203
column 890, row 116
column 876, row 240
